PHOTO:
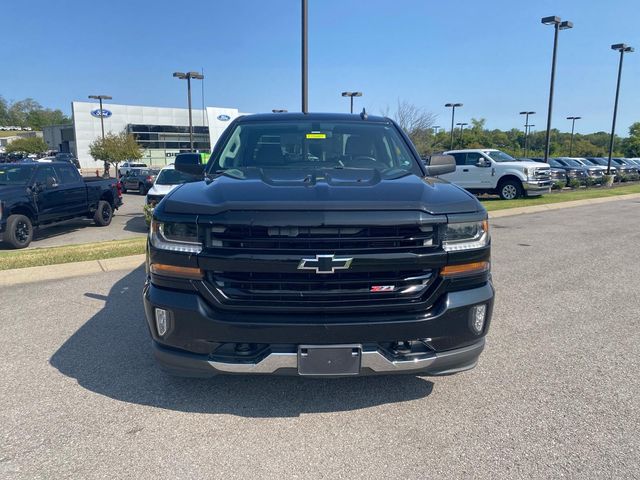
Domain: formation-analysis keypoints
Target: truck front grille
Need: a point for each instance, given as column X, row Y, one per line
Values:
column 343, row 239
column 304, row 289
column 542, row 174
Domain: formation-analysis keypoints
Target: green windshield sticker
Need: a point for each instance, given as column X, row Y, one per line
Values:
column 316, row 135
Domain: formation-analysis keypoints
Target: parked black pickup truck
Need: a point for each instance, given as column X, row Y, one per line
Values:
column 37, row 194
column 320, row 245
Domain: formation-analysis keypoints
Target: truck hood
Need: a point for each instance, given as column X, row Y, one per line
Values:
column 531, row 164
column 336, row 189
column 161, row 189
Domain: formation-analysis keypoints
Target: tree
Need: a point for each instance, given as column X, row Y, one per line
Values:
column 631, row 144
column 417, row 123
column 29, row 113
column 115, row 148
column 27, row 145
column 37, row 119
column 4, row 111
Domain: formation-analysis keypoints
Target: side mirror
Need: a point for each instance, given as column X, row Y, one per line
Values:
column 440, row 164
column 483, row 162
column 189, row 163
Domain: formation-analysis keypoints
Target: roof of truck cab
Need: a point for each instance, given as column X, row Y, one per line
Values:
column 321, row 117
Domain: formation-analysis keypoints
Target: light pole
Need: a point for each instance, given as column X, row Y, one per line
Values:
column 100, row 98
column 305, row 52
column 453, row 114
column 573, row 127
column 351, row 95
column 558, row 25
column 188, row 76
column 461, row 125
column 526, row 133
column 622, row 48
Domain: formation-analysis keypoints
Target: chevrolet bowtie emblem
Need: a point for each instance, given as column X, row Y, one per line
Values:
column 325, row 263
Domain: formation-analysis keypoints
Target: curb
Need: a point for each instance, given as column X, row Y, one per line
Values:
column 68, row 270
column 78, row 269
column 509, row 212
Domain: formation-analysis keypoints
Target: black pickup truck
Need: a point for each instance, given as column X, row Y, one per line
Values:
column 37, row 194
column 319, row 245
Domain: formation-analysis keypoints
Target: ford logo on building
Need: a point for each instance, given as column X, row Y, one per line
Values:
column 224, row 118
column 101, row 113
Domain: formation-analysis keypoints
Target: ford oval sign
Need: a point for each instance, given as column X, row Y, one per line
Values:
column 101, row 113
column 224, row 118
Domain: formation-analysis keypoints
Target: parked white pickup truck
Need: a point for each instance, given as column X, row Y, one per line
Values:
column 492, row 171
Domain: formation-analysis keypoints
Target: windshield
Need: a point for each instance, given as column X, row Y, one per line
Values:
column 499, row 156
column 15, row 174
column 174, row 177
column 313, row 145
column 572, row 162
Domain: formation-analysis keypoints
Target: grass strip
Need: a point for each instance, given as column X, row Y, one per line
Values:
column 585, row 193
column 71, row 253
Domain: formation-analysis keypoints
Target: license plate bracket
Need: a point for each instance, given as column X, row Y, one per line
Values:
column 329, row 360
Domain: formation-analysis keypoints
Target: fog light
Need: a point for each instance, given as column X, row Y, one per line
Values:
column 162, row 321
column 478, row 315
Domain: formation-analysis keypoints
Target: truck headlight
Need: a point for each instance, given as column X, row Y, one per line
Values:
column 466, row 236
column 175, row 236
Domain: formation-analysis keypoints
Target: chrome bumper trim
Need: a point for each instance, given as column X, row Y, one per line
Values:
column 373, row 360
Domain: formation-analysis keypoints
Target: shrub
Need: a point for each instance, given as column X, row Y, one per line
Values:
column 574, row 183
column 623, row 177
column 589, row 182
column 558, row 185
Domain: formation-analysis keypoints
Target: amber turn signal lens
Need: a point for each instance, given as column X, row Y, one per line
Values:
column 464, row 269
column 176, row 271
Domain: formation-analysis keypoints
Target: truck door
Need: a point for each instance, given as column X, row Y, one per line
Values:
column 459, row 177
column 73, row 191
column 480, row 171
column 46, row 194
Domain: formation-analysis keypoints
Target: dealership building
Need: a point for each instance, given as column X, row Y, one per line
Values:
column 161, row 132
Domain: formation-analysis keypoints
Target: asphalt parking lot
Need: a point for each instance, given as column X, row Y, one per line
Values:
column 127, row 222
column 556, row 393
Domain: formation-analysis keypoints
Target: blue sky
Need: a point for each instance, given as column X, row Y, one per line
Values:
column 494, row 55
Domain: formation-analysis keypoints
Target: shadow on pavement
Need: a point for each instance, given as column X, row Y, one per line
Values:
column 136, row 224
column 111, row 355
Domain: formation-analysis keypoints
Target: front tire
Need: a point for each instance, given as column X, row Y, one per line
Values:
column 19, row 231
column 510, row 190
column 104, row 214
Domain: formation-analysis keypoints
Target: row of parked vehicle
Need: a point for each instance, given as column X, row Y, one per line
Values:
column 487, row 170
column 566, row 169
column 11, row 128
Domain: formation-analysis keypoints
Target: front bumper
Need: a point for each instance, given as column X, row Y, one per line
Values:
column 536, row 187
column 374, row 361
column 198, row 333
